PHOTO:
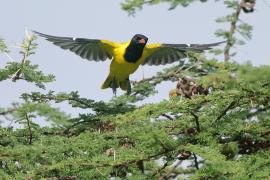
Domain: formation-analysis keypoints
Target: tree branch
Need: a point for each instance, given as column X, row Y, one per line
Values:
column 196, row 161
column 121, row 164
column 8, row 111
column 30, row 137
column 167, row 75
column 196, row 121
column 231, row 33
column 167, row 116
column 223, row 113
column 26, row 53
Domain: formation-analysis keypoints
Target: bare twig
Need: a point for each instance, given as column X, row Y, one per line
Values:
column 17, row 74
column 167, row 75
column 167, row 116
column 194, row 65
column 9, row 57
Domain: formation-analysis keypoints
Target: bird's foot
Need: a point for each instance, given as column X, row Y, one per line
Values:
column 114, row 91
column 129, row 89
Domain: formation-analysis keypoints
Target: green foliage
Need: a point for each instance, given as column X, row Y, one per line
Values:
column 25, row 70
column 44, row 110
column 117, row 138
column 28, row 72
column 131, row 6
column 3, row 46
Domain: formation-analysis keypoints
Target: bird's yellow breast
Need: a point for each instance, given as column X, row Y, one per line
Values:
column 119, row 67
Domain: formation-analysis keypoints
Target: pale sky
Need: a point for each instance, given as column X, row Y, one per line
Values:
column 105, row 19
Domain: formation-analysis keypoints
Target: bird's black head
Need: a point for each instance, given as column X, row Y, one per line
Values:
column 139, row 40
column 135, row 48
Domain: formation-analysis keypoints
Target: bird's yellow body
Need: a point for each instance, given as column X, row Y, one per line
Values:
column 120, row 68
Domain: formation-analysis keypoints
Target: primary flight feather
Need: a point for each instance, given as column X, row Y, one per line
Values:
column 126, row 57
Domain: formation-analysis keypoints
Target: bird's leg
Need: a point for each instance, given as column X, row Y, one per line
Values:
column 114, row 87
column 114, row 92
column 129, row 88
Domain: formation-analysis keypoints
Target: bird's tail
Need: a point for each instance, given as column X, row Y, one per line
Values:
column 109, row 82
column 112, row 82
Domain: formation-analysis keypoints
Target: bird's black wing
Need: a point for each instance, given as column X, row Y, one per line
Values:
column 91, row 49
column 157, row 54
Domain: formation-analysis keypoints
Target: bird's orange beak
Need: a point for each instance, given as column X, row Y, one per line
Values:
column 142, row 41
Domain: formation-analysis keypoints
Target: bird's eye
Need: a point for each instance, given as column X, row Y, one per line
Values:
column 138, row 38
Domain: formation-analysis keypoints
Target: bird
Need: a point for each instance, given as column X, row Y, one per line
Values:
column 125, row 57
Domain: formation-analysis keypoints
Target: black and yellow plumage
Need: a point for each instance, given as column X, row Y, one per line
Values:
column 126, row 57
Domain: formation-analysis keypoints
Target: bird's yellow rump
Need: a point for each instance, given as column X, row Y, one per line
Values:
column 126, row 57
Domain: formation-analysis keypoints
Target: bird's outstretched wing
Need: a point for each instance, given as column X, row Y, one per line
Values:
column 91, row 49
column 157, row 54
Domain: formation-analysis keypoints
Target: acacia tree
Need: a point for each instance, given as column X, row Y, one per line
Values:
column 214, row 126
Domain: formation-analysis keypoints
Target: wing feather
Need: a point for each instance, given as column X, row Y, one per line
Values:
column 91, row 49
column 157, row 54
